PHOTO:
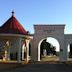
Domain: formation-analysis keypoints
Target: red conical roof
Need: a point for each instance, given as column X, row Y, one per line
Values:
column 12, row 26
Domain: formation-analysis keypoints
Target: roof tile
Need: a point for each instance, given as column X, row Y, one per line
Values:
column 12, row 26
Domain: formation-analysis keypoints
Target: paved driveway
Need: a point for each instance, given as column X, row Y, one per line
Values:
column 36, row 67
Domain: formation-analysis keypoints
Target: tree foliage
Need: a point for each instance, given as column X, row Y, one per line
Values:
column 49, row 48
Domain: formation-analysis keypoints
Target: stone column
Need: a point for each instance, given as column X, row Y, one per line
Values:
column 5, row 56
column 19, row 49
column 23, row 47
column 27, row 50
column 7, row 51
column 35, row 50
column 63, row 51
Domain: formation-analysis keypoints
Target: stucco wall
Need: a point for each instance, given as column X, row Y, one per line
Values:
column 44, row 31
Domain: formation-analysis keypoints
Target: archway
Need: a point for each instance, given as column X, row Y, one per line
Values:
column 49, row 49
column 26, row 52
column 69, row 51
column 44, row 31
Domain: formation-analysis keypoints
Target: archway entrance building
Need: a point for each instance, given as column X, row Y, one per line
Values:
column 55, row 31
column 15, row 39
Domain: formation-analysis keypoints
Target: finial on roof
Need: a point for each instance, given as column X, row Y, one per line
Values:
column 12, row 13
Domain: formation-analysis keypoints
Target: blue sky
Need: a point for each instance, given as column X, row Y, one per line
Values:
column 30, row 12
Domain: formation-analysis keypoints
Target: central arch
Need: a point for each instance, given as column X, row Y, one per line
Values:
column 47, row 54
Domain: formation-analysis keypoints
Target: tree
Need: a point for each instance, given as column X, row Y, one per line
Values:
column 45, row 45
column 49, row 48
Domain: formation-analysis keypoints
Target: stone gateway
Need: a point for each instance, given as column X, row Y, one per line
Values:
column 55, row 31
column 18, row 44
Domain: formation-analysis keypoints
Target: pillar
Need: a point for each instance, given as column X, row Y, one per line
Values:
column 35, row 50
column 23, row 48
column 5, row 56
column 19, row 50
column 7, row 51
column 27, row 50
column 63, row 52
